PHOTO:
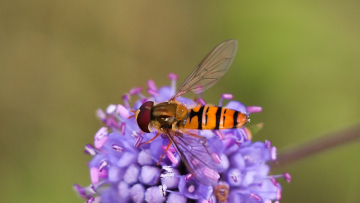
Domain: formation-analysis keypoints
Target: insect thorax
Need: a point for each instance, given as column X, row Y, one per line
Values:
column 164, row 115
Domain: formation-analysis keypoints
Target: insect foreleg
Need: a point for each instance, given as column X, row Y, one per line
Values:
column 148, row 142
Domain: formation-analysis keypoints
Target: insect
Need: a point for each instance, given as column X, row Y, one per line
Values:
column 178, row 123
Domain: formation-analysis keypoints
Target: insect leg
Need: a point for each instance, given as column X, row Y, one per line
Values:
column 167, row 148
column 148, row 142
column 132, row 112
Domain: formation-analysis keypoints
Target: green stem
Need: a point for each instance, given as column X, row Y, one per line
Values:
column 319, row 145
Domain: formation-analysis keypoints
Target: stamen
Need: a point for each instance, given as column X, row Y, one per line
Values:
column 111, row 109
column 204, row 201
column 172, row 158
column 135, row 134
column 267, row 144
column 90, row 200
column 138, row 141
column 198, row 89
column 225, row 96
column 255, row 196
column 188, row 176
column 171, row 148
column 152, row 92
column 122, row 111
column 219, row 134
column 216, row 157
column 151, row 85
column 243, row 134
column 135, row 90
column 191, row 188
column 89, row 149
column 267, row 201
column 211, row 200
column 101, row 137
column 103, row 164
column 211, row 173
column 101, row 115
column 276, row 201
column 80, row 190
column 152, row 89
column 94, row 175
column 167, row 168
column 195, row 161
column 278, row 194
column 273, row 180
column 117, row 148
column 126, row 98
column 287, row 177
column 201, row 101
column 110, row 122
column 122, row 128
column 273, row 153
column 92, row 189
column 173, row 77
column 234, row 176
column 163, row 189
column 254, row 109
column 238, row 142
column 103, row 174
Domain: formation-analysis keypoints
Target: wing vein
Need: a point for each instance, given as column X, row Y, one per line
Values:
column 216, row 63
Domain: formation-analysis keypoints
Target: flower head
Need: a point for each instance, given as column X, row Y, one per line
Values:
column 122, row 170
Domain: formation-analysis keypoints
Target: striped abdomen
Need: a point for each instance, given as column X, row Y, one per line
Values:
column 214, row 118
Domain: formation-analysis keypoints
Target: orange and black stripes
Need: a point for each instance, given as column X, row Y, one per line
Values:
column 218, row 117
column 213, row 118
column 196, row 115
column 236, row 114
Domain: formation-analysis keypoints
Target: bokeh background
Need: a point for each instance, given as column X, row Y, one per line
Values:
column 61, row 60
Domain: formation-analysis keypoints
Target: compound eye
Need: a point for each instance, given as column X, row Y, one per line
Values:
column 147, row 105
column 143, row 118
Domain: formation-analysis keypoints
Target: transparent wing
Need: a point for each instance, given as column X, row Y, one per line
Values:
column 210, row 70
column 195, row 152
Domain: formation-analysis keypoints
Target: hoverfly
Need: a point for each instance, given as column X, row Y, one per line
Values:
column 174, row 120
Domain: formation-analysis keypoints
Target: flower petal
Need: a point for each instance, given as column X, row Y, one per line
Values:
column 154, row 195
column 176, row 198
column 137, row 193
column 150, row 175
column 132, row 174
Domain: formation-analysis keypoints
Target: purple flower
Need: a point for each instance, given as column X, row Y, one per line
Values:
column 122, row 170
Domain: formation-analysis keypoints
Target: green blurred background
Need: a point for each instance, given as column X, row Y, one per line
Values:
column 61, row 60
